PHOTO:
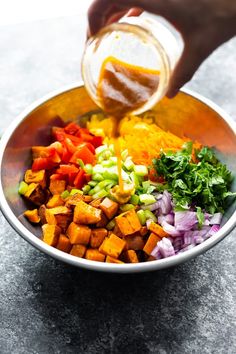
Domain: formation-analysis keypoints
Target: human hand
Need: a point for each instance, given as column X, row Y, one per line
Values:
column 204, row 25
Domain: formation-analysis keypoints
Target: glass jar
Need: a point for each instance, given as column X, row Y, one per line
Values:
column 137, row 41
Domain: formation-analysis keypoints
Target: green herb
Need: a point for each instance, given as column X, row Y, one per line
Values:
column 204, row 184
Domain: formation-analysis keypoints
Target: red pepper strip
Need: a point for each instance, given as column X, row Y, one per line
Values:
column 70, row 146
column 80, row 179
column 57, row 146
column 84, row 154
column 66, row 156
column 56, row 176
column 67, row 169
column 87, row 177
column 42, row 163
column 97, row 141
column 72, row 128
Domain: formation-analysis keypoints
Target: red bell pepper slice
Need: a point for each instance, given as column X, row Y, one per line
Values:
column 67, row 169
column 97, row 141
column 72, row 128
column 84, row 154
column 42, row 163
column 80, row 179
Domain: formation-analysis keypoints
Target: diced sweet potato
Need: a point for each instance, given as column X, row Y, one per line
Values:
column 158, row 230
column 42, row 211
column 36, row 177
column 60, row 210
column 96, row 202
column 36, row 194
column 110, row 259
column 128, row 222
column 151, row 243
column 117, row 231
column 130, row 256
column 112, row 246
column 78, row 250
column 51, row 234
column 109, row 207
column 134, row 242
column 78, row 234
column 57, row 186
column 143, row 231
column 86, row 214
column 73, row 200
column 64, row 244
column 55, row 201
column 97, row 237
column 50, row 217
column 94, row 255
column 87, row 198
column 32, row 216
column 103, row 222
column 63, row 221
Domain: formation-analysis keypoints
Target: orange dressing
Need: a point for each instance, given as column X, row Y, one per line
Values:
column 122, row 89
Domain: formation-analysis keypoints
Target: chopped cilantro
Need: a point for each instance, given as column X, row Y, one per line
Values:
column 205, row 183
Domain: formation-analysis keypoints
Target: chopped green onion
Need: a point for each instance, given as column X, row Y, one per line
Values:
column 142, row 217
column 140, row 170
column 97, row 177
column 65, row 194
column 98, row 169
column 91, row 192
column 134, row 199
column 105, row 183
column 86, row 189
column 126, row 207
column 124, row 154
column 101, row 194
column 147, row 199
column 23, row 187
column 92, row 183
column 128, row 164
column 75, row 191
column 150, row 215
column 134, row 179
column 111, row 225
column 88, row 168
column 109, row 174
column 80, row 162
column 108, row 163
column 100, row 149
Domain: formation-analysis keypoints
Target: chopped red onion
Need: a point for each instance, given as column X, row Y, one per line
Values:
column 216, row 219
column 213, row 230
column 165, row 204
column 185, row 220
column 170, row 229
column 177, row 243
column 156, row 252
column 166, row 248
column 169, row 218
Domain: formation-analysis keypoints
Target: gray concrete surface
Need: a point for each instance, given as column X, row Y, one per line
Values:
column 49, row 307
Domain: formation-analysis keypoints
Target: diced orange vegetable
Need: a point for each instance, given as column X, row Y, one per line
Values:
column 78, row 250
column 109, row 207
column 63, row 221
column 151, row 243
column 86, row 214
column 94, row 255
column 103, row 222
column 158, row 230
column 73, row 199
column 57, row 186
column 112, row 246
column 110, row 259
column 131, row 256
column 55, row 201
column 32, row 216
column 35, row 194
column 97, row 237
column 143, row 231
column 87, row 198
column 96, row 202
column 50, row 217
column 128, row 222
column 60, row 210
column 51, row 234
column 117, row 231
column 64, row 244
column 42, row 212
column 134, row 242
column 36, row 177
column 78, row 234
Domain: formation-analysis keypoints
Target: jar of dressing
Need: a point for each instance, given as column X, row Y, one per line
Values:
column 126, row 67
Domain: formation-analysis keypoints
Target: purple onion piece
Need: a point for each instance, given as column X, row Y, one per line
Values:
column 215, row 219
column 166, row 248
column 185, row 220
column 170, row 229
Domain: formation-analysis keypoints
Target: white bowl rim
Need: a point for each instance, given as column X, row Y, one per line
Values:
column 99, row 266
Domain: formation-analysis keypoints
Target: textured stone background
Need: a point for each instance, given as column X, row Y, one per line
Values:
column 49, row 307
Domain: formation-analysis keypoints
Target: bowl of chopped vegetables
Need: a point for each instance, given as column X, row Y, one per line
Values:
column 59, row 186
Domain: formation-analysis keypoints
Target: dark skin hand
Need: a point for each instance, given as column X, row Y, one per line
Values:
column 204, row 25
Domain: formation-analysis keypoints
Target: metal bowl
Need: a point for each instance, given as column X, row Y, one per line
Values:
column 187, row 114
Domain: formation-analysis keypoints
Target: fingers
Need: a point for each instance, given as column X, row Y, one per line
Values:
column 192, row 57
